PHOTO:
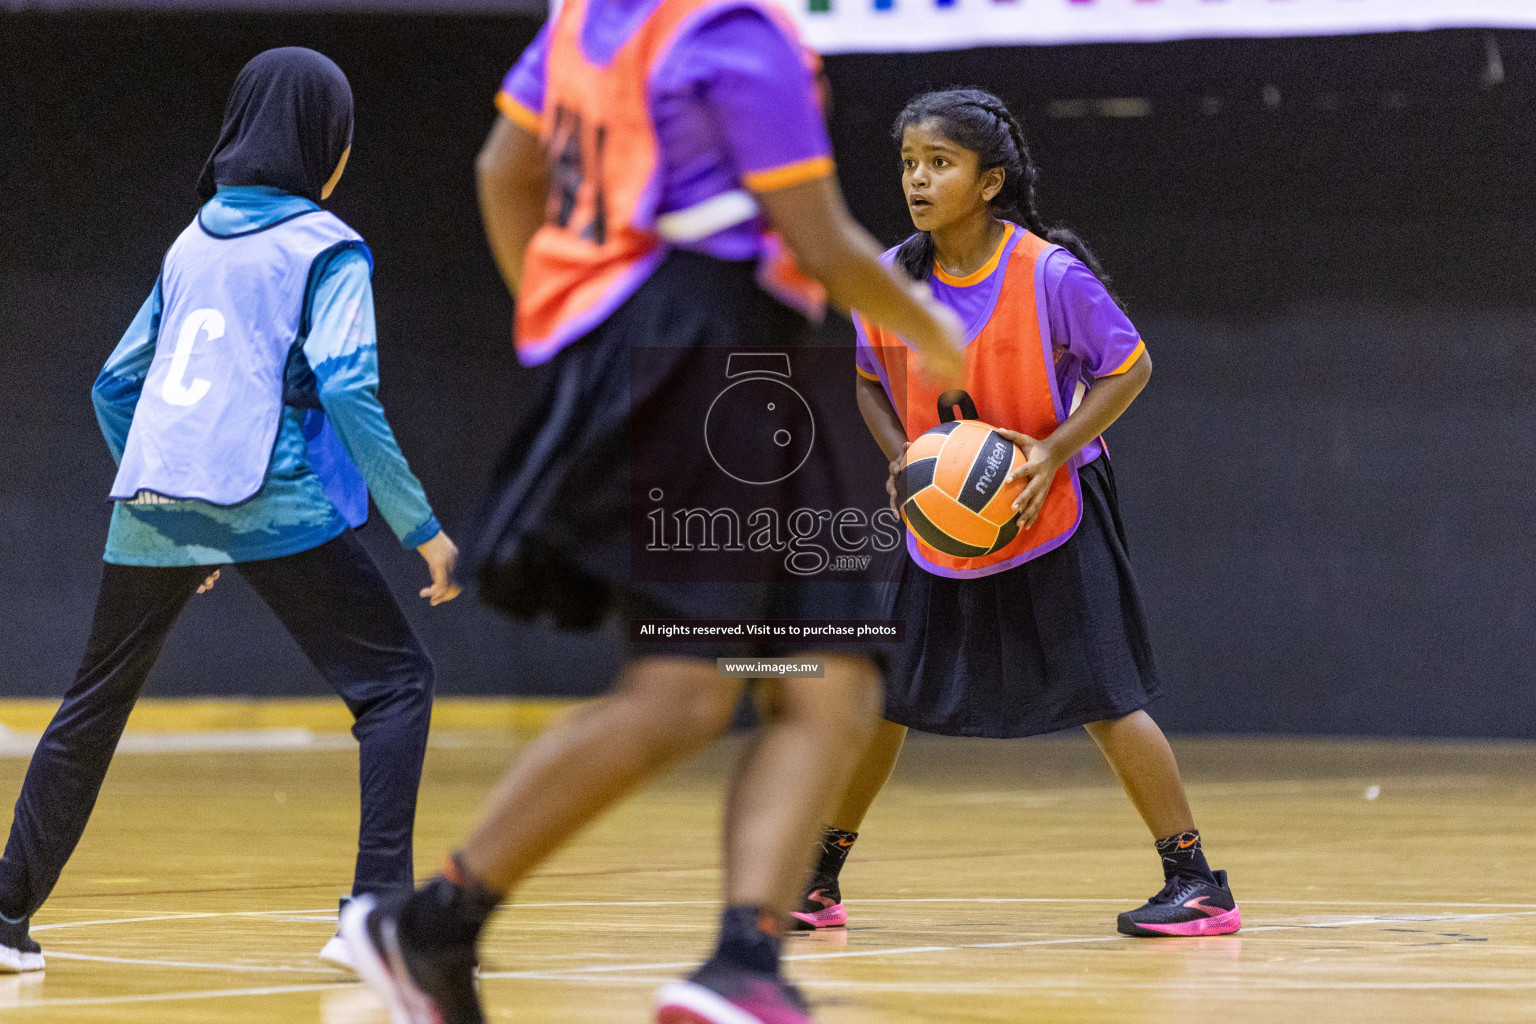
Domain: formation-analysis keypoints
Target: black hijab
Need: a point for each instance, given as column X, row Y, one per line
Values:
column 287, row 122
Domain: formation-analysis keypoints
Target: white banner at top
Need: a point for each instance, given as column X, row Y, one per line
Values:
column 865, row 26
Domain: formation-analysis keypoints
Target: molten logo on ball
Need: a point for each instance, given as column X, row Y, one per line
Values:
column 951, row 491
column 996, row 454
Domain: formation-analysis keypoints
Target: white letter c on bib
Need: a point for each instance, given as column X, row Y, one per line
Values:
column 176, row 391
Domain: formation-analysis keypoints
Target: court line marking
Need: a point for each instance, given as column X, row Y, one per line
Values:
column 224, row 993
column 1377, row 919
column 610, row 968
column 1067, row 985
column 594, row 973
column 119, row 920
column 904, row 951
column 173, row 917
column 859, row 902
column 1032, row 899
column 194, row 892
column 56, row 955
column 65, row 955
column 969, row 988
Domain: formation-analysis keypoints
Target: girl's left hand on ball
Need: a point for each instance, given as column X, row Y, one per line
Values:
column 1040, row 465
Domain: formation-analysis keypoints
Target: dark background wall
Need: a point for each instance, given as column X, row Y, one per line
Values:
column 1327, row 244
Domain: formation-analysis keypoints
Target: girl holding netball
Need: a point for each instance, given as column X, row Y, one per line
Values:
column 242, row 408
column 1046, row 632
column 635, row 205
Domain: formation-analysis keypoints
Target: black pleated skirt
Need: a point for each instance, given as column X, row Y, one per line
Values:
column 561, row 516
column 1057, row 642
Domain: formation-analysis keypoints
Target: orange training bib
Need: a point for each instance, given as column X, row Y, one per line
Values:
column 1010, row 377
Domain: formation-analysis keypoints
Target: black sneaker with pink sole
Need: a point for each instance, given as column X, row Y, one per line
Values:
column 1185, row 907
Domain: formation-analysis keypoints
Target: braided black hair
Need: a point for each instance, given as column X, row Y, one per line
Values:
column 982, row 123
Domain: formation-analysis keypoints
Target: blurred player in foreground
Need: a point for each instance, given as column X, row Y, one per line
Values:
column 647, row 152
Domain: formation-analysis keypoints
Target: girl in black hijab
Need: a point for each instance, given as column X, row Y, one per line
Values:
column 241, row 406
column 287, row 125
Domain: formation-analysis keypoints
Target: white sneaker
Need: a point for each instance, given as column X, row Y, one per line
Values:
column 337, row 954
column 19, row 954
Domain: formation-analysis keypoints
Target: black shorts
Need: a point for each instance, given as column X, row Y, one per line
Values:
column 565, row 508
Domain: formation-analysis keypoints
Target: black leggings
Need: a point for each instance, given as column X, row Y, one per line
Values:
column 335, row 604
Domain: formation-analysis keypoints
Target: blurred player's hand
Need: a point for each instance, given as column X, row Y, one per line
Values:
column 442, row 557
column 209, row 582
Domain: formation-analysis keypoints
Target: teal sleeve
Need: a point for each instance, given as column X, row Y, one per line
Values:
column 116, row 391
column 342, row 350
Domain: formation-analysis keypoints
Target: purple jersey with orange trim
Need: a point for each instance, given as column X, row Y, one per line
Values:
column 733, row 103
column 1090, row 335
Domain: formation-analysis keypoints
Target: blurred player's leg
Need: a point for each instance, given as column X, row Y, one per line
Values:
column 793, row 772
column 421, row 950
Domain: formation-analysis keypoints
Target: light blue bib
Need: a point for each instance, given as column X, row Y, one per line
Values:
column 233, row 306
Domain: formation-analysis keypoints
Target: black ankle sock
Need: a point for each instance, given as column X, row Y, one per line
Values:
column 835, row 846
column 1183, row 856
column 450, row 909
column 750, row 938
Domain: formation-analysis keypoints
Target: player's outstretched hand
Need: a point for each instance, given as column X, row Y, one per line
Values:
column 442, row 556
column 1040, row 465
column 208, row 583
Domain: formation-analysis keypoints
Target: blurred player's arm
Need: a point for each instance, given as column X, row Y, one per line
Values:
column 513, row 185
column 830, row 246
column 116, row 392
column 765, row 102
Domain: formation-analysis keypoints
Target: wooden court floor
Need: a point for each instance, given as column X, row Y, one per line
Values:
column 984, row 889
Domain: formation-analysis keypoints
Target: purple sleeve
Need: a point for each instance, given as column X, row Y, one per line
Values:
column 863, row 353
column 762, row 94
column 1086, row 321
column 524, row 84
